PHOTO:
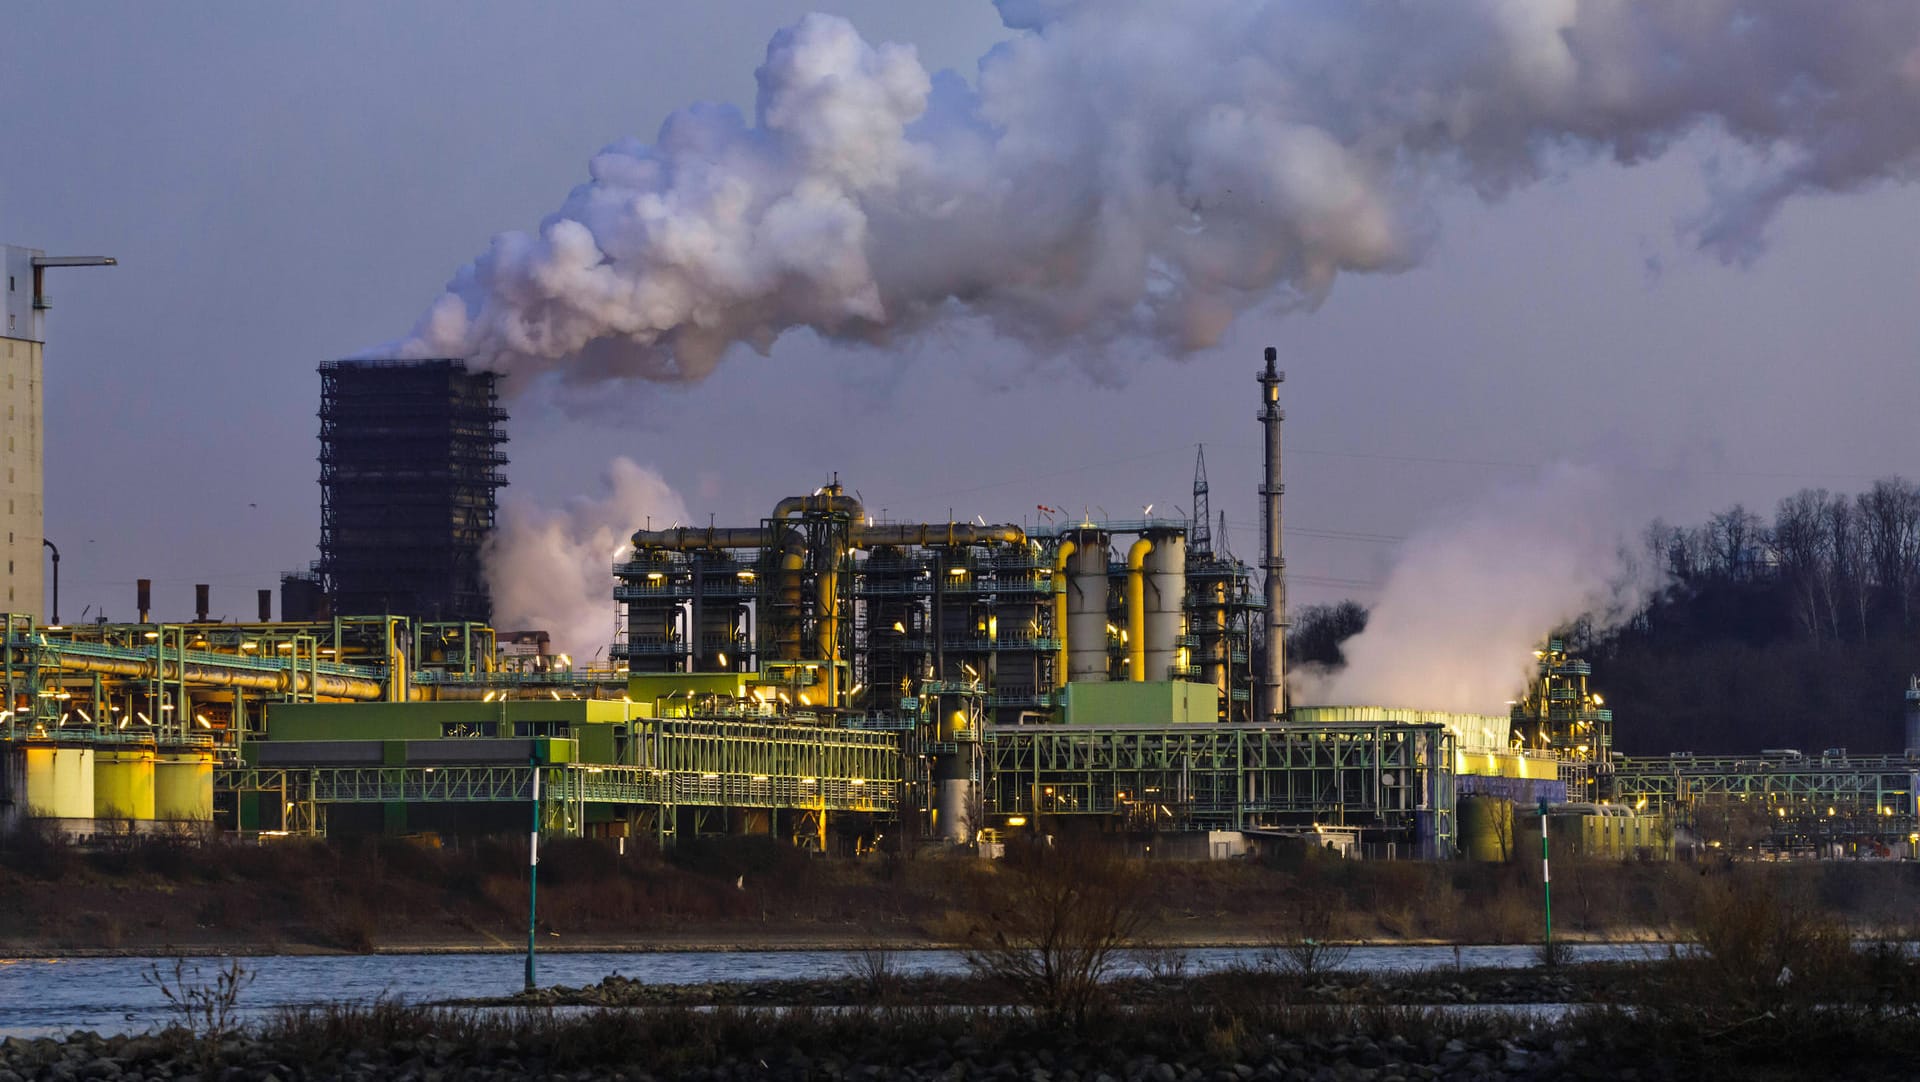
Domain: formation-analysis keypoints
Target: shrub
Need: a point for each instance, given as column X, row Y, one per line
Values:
column 205, row 1008
column 1306, row 946
column 1760, row 947
column 1051, row 926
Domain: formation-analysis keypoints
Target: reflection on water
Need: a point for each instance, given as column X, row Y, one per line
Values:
column 108, row 995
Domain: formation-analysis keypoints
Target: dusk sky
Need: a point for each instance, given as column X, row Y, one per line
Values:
column 283, row 185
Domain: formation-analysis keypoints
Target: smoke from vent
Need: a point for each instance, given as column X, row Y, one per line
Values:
column 552, row 569
column 1135, row 169
column 1468, row 601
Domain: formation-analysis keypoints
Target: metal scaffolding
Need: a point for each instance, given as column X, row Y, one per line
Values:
column 1395, row 782
column 694, row 763
column 1793, row 802
column 409, row 465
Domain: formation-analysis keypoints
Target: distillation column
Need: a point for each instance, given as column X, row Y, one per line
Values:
column 1087, row 608
column 1273, row 674
column 1166, row 592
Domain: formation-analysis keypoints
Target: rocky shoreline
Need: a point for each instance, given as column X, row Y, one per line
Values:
column 1585, row 984
column 1599, row 1021
column 1355, row 1057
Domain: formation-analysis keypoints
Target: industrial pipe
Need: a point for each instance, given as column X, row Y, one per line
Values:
column 827, row 501
column 55, row 549
column 1060, row 557
column 338, row 687
column 926, row 535
column 1137, row 609
column 692, row 539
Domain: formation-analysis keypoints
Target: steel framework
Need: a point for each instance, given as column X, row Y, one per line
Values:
column 1803, row 801
column 691, row 763
column 409, row 464
column 1395, row 780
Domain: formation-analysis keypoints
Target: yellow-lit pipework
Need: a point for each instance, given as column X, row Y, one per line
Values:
column 1060, row 557
column 827, row 628
column 1137, row 609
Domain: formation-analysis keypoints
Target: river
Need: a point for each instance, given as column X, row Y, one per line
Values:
column 41, row 996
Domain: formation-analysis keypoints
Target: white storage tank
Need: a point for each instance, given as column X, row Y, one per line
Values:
column 1087, row 608
column 1166, row 591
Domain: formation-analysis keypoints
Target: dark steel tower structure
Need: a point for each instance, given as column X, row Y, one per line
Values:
column 409, row 463
column 1273, row 675
column 1200, row 534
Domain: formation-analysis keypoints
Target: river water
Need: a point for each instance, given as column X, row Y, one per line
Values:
column 40, row 996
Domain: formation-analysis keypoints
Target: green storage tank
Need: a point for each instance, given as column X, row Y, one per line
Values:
column 1486, row 828
column 183, row 786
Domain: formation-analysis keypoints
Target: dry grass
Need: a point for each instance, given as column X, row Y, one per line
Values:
column 354, row 894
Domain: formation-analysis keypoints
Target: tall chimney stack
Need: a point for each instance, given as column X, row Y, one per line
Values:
column 1273, row 674
column 266, row 606
column 1913, row 718
column 200, row 592
column 143, row 597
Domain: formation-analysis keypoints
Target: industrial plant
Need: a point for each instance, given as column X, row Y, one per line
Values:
column 824, row 675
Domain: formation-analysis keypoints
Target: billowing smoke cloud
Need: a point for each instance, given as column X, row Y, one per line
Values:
column 552, row 569
column 1469, row 600
column 1134, row 169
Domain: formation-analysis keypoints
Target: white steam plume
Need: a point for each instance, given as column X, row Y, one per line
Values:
column 1469, row 601
column 1141, row 169
column 552, row 570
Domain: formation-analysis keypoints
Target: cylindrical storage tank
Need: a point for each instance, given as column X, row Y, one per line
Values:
column 1087, row 609
column 1485, row 828
column 183, row 786
column 59, row 782
column 1166, row 571
column 123, row 783
column 952, row 798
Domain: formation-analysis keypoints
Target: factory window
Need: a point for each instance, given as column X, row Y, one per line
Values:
column 542, row 728
column 456, row 730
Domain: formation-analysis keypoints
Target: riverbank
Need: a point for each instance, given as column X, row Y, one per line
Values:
column 1642, row 1021
column 752, row 893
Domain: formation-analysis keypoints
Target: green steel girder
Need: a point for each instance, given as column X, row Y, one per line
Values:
column 1803, row 800
column 1871, row 783
column 1240, row 777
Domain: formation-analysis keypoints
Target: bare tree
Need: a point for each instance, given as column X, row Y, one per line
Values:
column 1803, row 548
column 1053, row 923
column 1847, row 569
column 1307, row 946
column 1733, row 538
column 1890, row 517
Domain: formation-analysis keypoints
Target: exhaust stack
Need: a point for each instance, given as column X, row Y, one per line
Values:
column 143, row 597
column 201, row 602
column 1913, row 718
column 1273, row 674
